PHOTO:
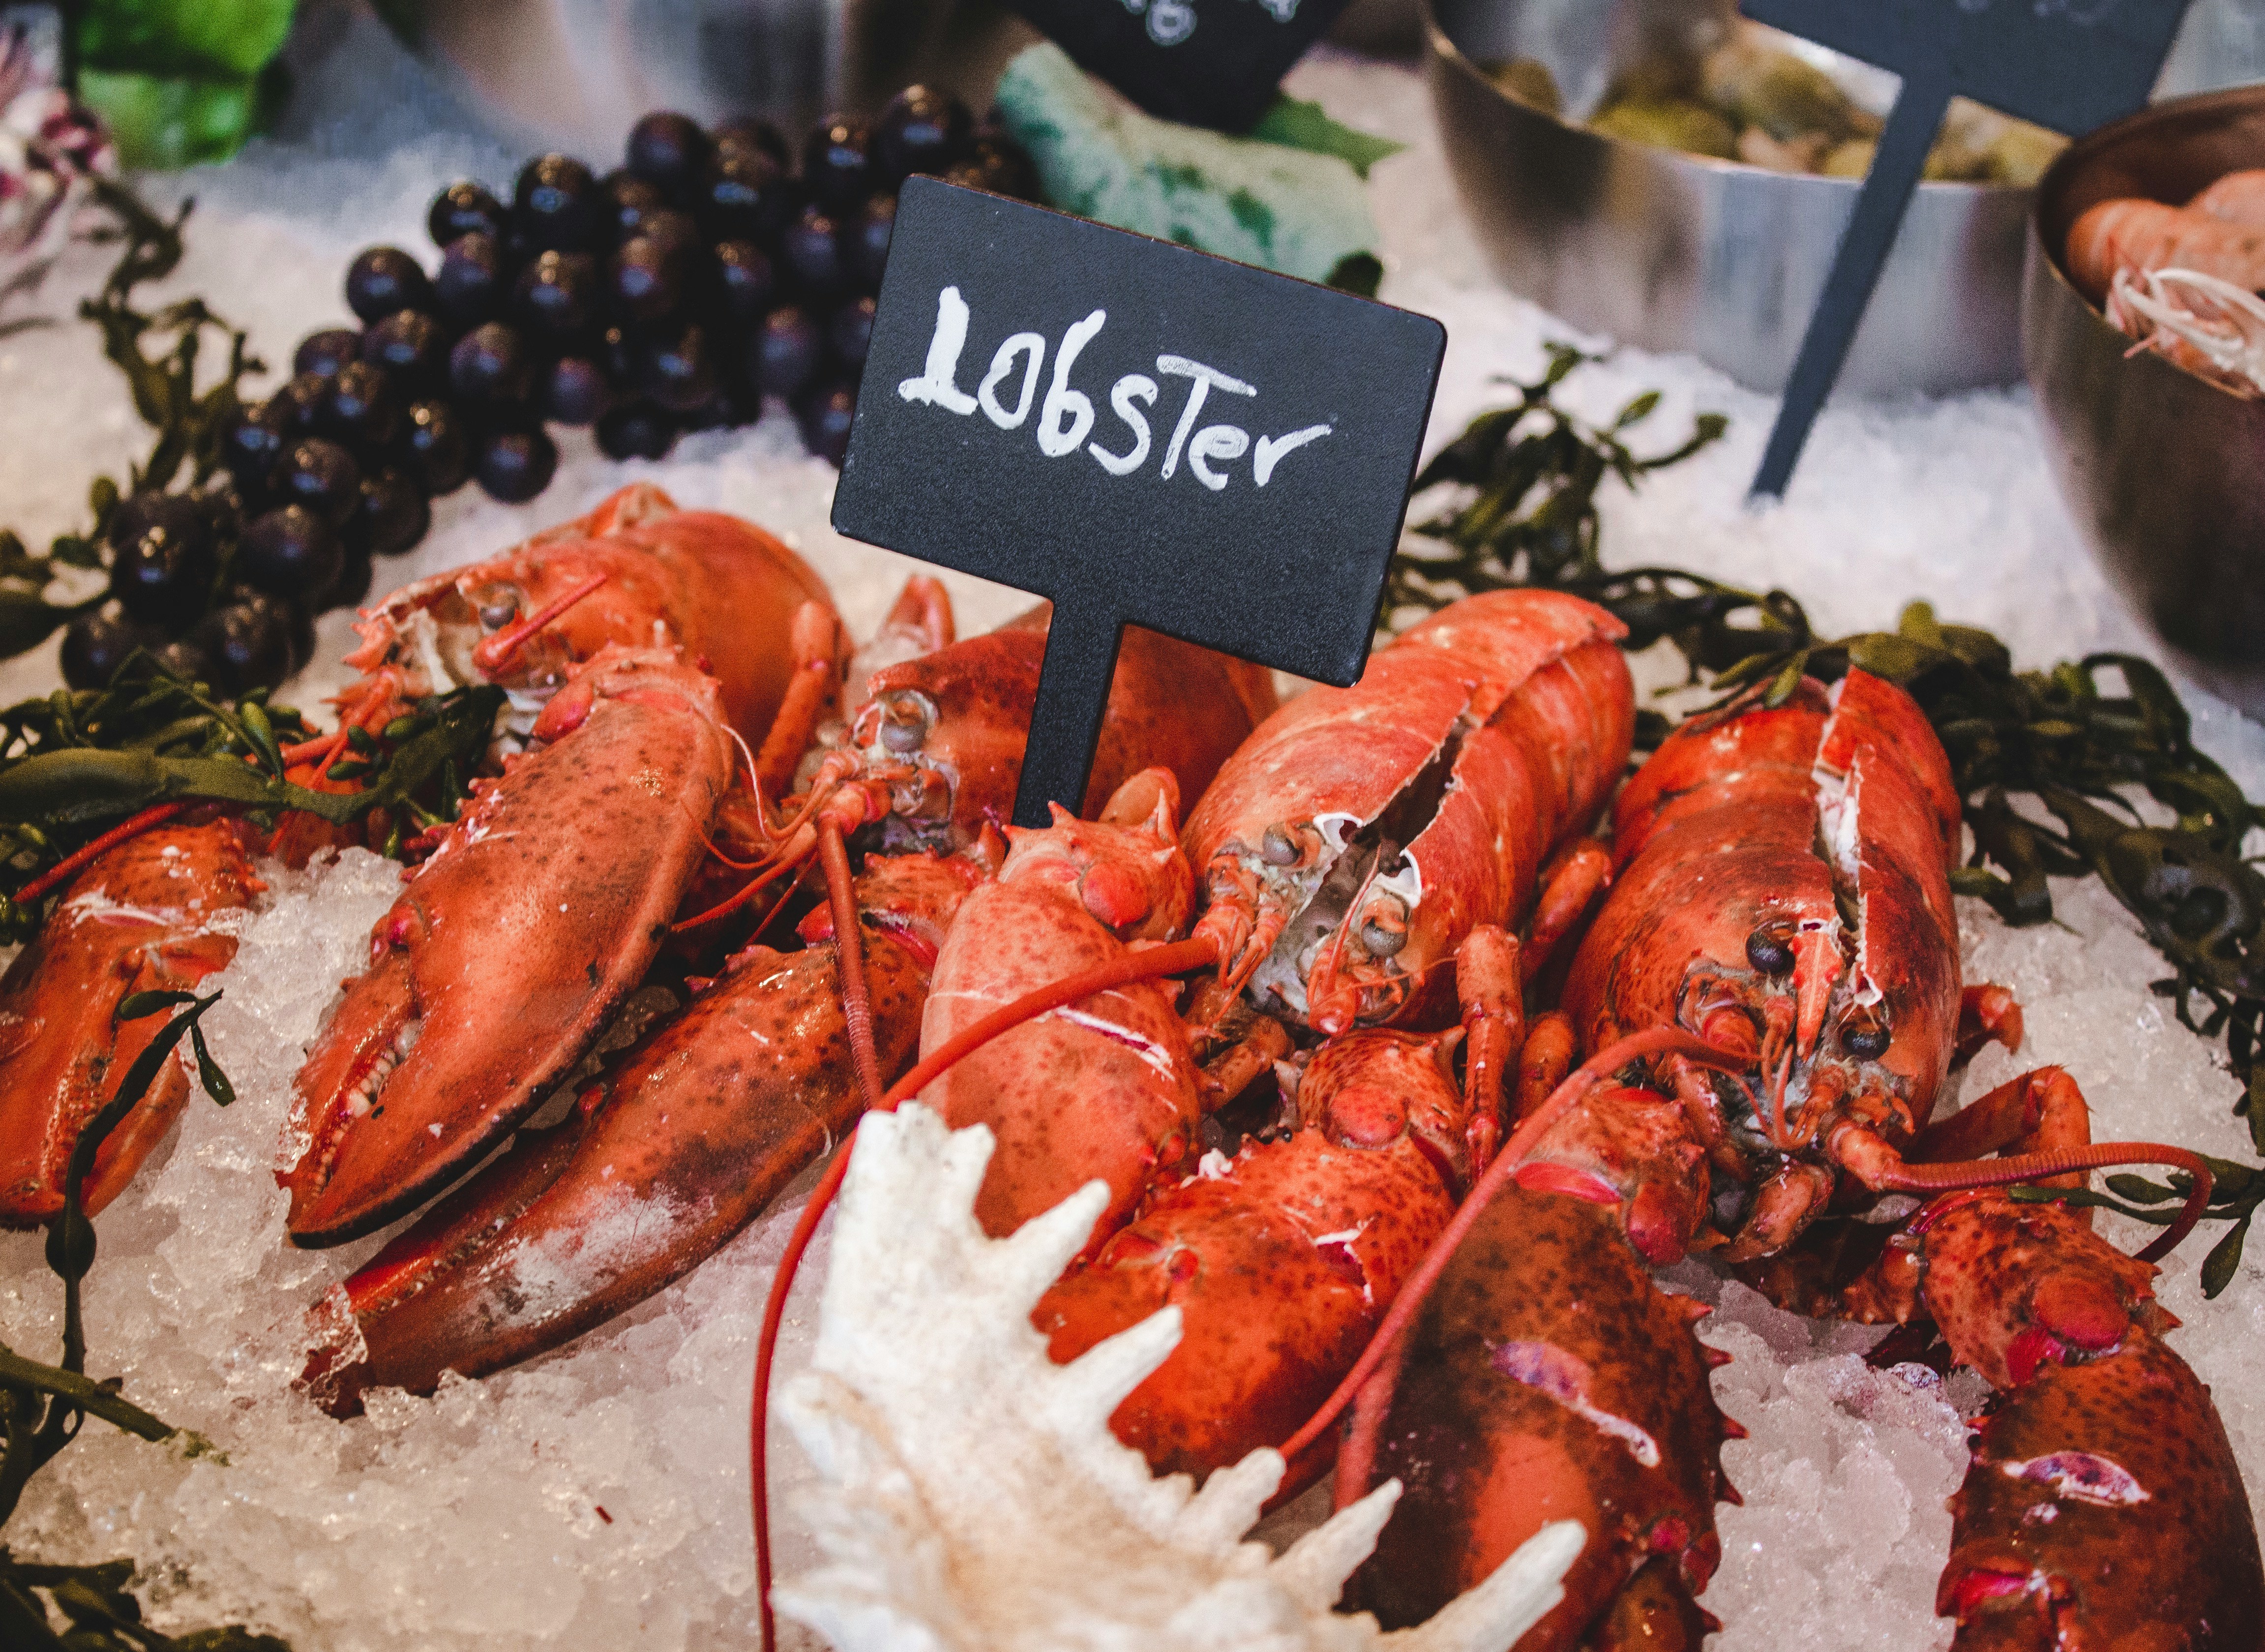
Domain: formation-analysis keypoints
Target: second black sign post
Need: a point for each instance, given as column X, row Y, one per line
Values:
column 1142, row 433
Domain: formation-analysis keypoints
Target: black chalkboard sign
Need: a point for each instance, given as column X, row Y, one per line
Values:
column 2067, row 64
column 1142, row 434
column 1209, row 62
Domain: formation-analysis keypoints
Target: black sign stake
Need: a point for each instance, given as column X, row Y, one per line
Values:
column 1142, row 434
column 2067, row 64
column 1212, row 62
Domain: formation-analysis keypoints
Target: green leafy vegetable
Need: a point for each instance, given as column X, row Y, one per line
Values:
column 1305, row 126
column 184, row 37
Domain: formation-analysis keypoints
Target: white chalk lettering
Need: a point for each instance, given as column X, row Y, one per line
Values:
column 1056, row 438
column 1023, row 344
column 1181, row 366
column 1131, row 387
column 934, row 386
column 1272, row 449
column 1067, row 415
column 1216, row 442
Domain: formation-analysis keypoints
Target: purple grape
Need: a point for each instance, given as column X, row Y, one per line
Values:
column 923, row 130
column 850, row 332
column 469, row 287
column 866, row 241
column 248, row 644
column 746, row 282
column 813, row 255
column 162, row 562
column 516, row 464
column 185, row 658
column 667, row 151
column 253, row 442
column 784, row 351
column 645, row 281
column 825, row 416
column 1006, row 169
column 290, row 552
column 678, row 372
column 302, row 396
column 555, row 205
column 746, row 196
column 382, row 280
column 97, row 645
column 636, row 430
column 835, row 164
column 391, row 515
column 555, row 300
column 321, row 475
column 575, row 391
column 751, row 135
column 464, row 208
column 438, row 452
column 358, row 407
column 490, row 367
column 322, row 353
column 412, row 348
column 672, row 232
column 628, row 202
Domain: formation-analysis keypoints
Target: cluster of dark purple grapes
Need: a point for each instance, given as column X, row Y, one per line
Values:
column 677, row 292
column 674, row 295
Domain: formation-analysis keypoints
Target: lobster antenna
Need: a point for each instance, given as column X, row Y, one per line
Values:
column 495, row 653
column 1584, row 1079
column 733, row 903
column 1174, row 958
column 155, row 815
column 1969, row 1174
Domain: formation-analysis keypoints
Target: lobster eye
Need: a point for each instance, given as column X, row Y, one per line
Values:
column 1770, row 951
column 1384, row 930
column 903, row 725
column 1866, row 1041
column 497, row 615
column 1278, row 846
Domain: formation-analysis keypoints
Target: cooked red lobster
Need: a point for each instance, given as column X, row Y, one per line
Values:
column 1783, row 895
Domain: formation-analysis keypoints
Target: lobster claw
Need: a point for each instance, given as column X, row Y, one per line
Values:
column 706, row 1120
column 512, row 948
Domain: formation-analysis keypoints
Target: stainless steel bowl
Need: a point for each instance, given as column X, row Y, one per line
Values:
column 577, row 73
column 2164, row 471
column 1674, row 251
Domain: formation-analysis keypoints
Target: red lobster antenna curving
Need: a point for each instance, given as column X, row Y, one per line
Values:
column 1174, row 958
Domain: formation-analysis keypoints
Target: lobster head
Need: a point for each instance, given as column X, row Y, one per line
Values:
column 638, row 572
column 1784, row 892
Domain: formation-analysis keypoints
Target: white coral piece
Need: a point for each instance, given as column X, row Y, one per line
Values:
column 973, row 1498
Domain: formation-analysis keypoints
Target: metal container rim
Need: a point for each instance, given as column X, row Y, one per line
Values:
column 2060, row 179
column 1442, row 47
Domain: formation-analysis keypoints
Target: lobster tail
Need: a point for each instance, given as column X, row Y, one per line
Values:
column 2103, row 1507
column 1546, row 1377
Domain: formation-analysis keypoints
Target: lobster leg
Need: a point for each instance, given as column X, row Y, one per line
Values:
column 820, row 648
column 1570, row 884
